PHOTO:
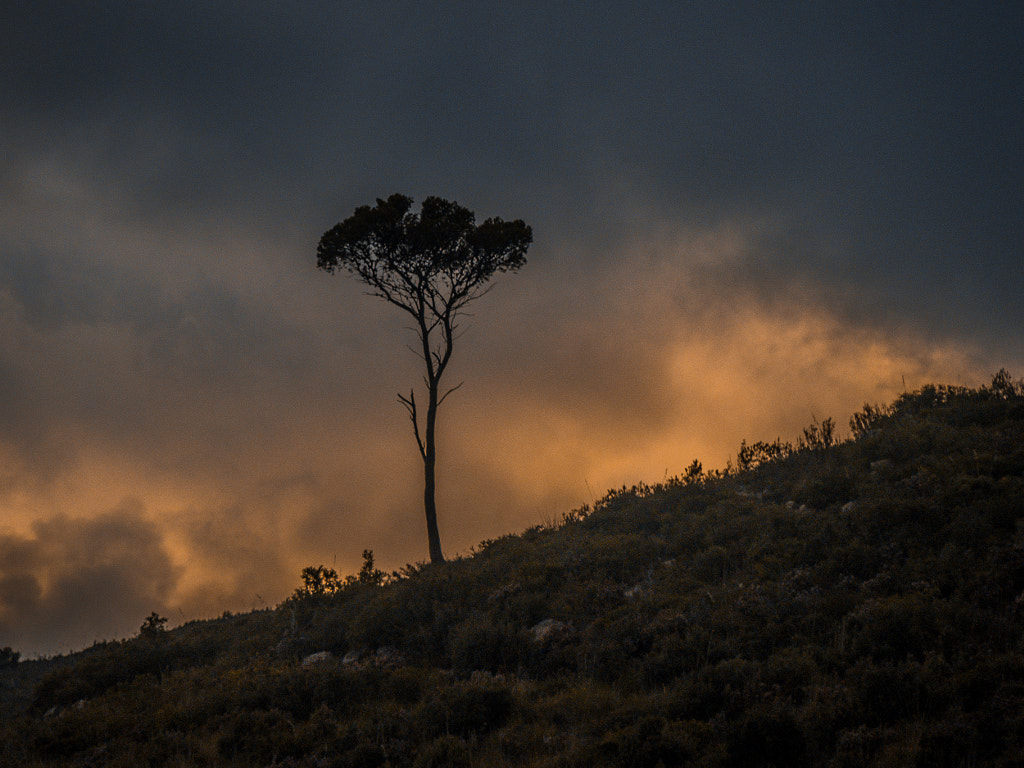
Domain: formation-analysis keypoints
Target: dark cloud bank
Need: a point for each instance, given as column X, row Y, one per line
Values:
column 746, row 217
column 72, row 578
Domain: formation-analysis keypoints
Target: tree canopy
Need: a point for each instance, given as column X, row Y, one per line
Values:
column 430, row 264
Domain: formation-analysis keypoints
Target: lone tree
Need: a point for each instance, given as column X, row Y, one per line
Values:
column 431, row 265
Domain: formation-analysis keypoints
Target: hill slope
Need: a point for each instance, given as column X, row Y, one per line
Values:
column 823, row 604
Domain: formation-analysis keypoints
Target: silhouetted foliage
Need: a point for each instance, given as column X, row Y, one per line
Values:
column 318, row 581
column 752, row 456
column 8, row 657
column 154, row 626
column 693, row 474
column 321, row 582
column 369, row 573
column 817, row 437
column 430, row 265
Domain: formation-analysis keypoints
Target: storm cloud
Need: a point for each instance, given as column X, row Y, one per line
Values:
column 746, row 216
column 72, row 578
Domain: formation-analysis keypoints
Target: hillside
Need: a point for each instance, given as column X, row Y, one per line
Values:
column 841, row 604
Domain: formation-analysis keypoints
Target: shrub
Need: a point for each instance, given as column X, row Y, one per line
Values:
column 868, row 419
column 949, row 743
column 466, row 708
column 445, row 752
column 365, row 756
column 479, row 643
column 318, row 582
column 882, row 694
column 8, row 657
column 259, row 736
column 818, row 437
column 368, row 573
column 893, row 628
column 751, row 457
column 768, row 738
column 713, row 564
column 640, row 745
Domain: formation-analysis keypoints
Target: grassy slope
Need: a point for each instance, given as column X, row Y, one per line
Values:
column 860, row 604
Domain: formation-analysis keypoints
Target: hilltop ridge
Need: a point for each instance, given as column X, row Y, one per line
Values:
column 819, row 603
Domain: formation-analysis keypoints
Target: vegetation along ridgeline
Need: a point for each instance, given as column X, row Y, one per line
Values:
column 839, row 603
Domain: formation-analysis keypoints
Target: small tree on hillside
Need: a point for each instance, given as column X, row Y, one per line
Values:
column 430, row 265
column 154, row 626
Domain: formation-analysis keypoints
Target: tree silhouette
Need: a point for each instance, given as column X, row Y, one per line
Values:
column 431, row 265
column 153, row 626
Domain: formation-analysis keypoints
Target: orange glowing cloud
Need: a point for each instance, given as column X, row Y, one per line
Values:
column 237, row 443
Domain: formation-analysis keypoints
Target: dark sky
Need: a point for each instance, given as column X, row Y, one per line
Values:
column 747, row 216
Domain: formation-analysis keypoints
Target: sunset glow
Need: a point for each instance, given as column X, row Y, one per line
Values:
column 727, row 246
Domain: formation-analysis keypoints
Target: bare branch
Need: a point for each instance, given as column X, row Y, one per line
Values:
column 410, row 405
column 445, row 395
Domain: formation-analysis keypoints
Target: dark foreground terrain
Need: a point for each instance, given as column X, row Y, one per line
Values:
column 858, row 603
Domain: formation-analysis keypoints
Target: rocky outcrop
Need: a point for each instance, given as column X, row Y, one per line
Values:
column 317, row 659
column 551, row 631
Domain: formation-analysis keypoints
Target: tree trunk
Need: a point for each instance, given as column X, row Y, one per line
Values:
column 429, row 458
